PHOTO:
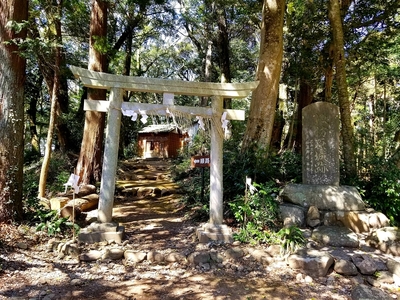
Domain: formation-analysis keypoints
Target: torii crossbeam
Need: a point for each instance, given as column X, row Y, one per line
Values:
column 117, row 84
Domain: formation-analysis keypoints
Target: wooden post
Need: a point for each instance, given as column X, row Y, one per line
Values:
column 110, row 160
column 216, row 162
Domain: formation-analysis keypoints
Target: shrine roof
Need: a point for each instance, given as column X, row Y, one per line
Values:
column 159, row 128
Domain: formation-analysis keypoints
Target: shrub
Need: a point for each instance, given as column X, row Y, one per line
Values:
column 59, row 171
column 291, row 238
column 53, row 224
column 381, row 185
column 258, row 165
column 257, row 213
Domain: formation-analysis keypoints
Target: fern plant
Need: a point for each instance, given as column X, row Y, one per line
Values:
column 53, row 224
column 257, row 213
column 291, row 239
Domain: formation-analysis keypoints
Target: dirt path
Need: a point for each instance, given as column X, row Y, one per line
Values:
column 148, row 206
column 159, row 223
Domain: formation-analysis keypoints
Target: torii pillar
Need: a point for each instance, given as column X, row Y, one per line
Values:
column 215, row 229
column 104, row 229
column 110, row 159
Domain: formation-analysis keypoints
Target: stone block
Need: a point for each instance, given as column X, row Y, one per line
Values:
column 91, row 255
column 87, row 189
column 175, row 257
column 378, row 220
column 292, row 214
column 265, row 257
column 393, row 266
column 345, row 267
column 335, row 236
column 357, row 221
column 385, row 239
column 234, row 253
column 155, row 256
column 364, row 264
column 91, row 236
column 324, row 197
column 211, row 232
column 113, row 254
column 135, row 257
column 311, row 262
column 199, row 257
column 58, row 202
column 313, row 216
column 363, row 292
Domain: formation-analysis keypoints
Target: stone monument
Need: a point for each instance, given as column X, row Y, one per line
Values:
column 320, row 200
column 320, row 147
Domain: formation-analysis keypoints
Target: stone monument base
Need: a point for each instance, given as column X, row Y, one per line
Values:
column 314, row 205
column 100, row 232
column 211, row 232
column 325, row 197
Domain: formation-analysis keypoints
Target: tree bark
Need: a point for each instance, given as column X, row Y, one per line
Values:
column 262, row 109
column 34, row 95
column 90, row 158
column 46, row 64
column 207, row 71
column 341, row 80
column 12, row 76
column 54, row 103
column 223, row 50
column 305, row 98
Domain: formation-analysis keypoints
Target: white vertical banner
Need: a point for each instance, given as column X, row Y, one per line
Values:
column 72, row 182
column 252, row 188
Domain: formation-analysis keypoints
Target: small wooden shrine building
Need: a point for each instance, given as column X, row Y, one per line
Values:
column 161, row 141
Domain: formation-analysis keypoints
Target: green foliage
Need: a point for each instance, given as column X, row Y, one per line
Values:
column 253, row 235
column 53, row 224
column 190, row 180
column 238, row 165
column 381, row 184
column 291, row 238
column 257, row 213
column 258, row 165
column 59, row 171
column 286, row 167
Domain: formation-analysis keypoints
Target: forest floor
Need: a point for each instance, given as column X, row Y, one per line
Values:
column 29, row 271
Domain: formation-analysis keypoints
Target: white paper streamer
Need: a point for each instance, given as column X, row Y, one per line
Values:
column 201, row 122
column 144, row 116
column 224, row 121
column 72, row 182
column 252, row 188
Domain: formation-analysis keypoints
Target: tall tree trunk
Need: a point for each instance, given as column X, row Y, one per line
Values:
column 12, row 76
column 35, row 88
column 328, row 55
column 54, row 103
column 127, row 71
column 328, row 83
column 263, row 104
column 46, row 68
column 90, row 158
column 207, row 71
column 294, row 120
column 223, row 50
column 341, row 79
column 305, row 98
column 371, row 123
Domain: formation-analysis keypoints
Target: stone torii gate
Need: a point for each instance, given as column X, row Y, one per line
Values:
column 117, row 84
